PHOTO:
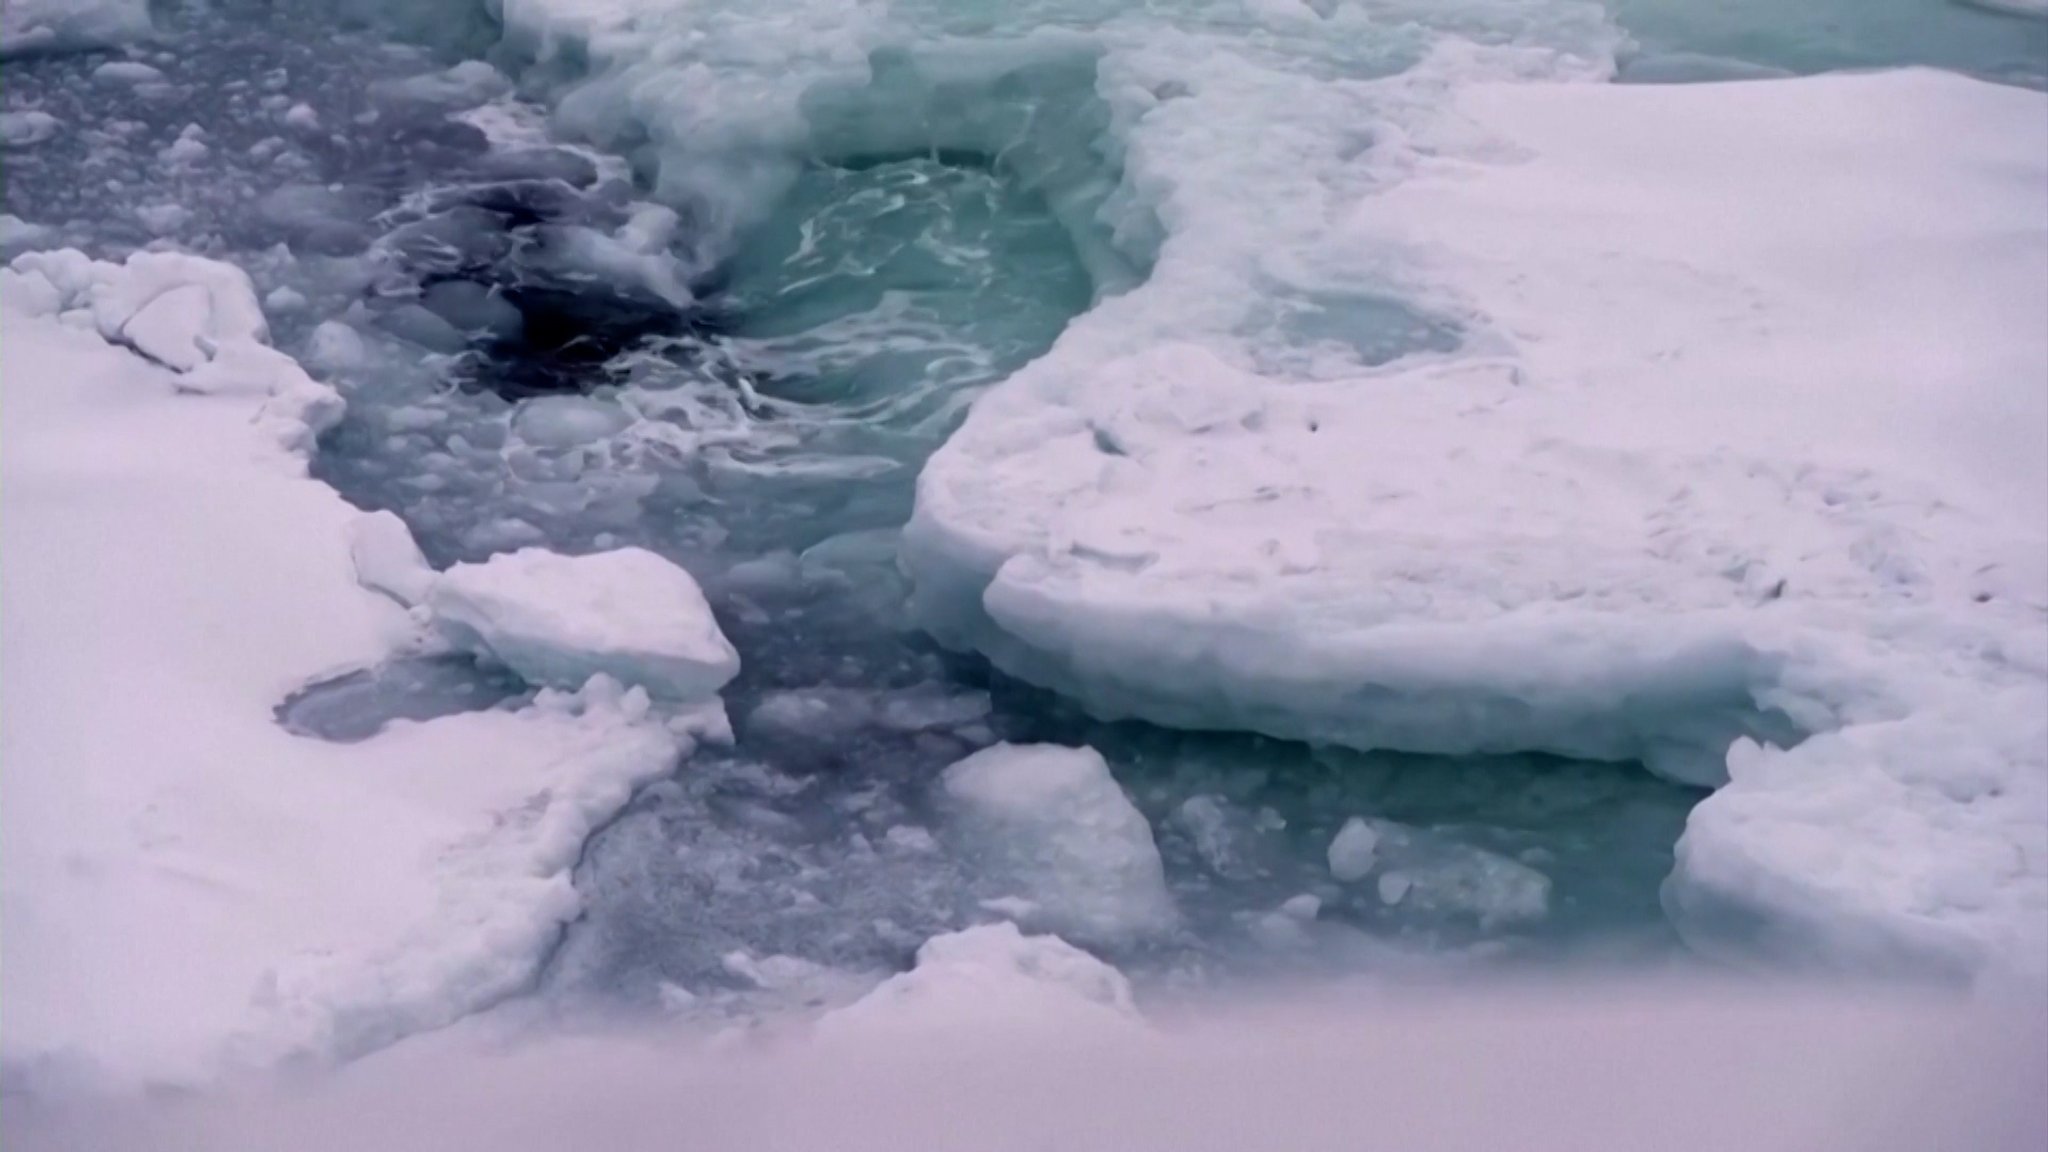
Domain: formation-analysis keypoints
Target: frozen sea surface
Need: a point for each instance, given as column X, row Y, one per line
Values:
column 716, row 281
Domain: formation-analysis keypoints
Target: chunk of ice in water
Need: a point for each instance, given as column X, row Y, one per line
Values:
column 1353, row 851
column 992, row 977
column 1051, row 824
column 558, row 620
column 568, row 421
column 334, row 347
column 124, row 72
column 25, row 129
column 474, row 308
column 1430, row 874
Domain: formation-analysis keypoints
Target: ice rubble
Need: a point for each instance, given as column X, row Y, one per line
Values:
column 559, row 620
column 991, row 977
column 1052, row 823
column 188, row 886
column 1744, row 441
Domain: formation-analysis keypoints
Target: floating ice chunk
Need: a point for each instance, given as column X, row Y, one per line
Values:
column 1225, row 837
column 1393, row 887
column 465, row 85
column 302, row 117
column 387, row 559
column 414, row 324
column 33, row 26
column 1303, row 907
column 1353, row 850
column 126, row 72
column 189, row 147
column 568, row 421
column 25, row 129
column 473, row 308
column 319, row 219
column 18, row 235
column 334, row 347
column 1432, row 875
column 559, row 620
column 163, row 219
column 992, row 977
column 283, row 299
column 1052, row 824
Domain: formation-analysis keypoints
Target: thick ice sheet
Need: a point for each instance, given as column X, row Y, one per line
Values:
column 187, row 886
column 1745, row 439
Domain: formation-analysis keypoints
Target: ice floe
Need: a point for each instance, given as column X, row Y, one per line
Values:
column 1742, row 445
column 189, row 886
column 1052, row 825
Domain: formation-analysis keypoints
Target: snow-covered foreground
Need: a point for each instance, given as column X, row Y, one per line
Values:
column 188, row 887
column 1746, row 444
column 1006, row 1045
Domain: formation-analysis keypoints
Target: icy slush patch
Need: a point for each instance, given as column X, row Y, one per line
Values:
column 1052, row 823
column 558, row 620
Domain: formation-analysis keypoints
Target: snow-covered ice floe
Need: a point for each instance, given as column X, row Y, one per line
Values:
column 560, row 620
column 189, row 887
column 991, row 977
column 1738, row 469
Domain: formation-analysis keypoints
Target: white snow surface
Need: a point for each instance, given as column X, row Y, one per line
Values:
column 559, row 620
column 188, row 888
column 1052, row 822
column 990, row 977
column 1745, row 438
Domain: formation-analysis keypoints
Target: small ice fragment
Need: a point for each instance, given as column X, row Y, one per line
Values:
column 1393, row 886
column 25, row 129
column 303, row 117
column 1352, row 852
column 187, row 148
column 1303, row 907
column 674, row 997
column 126, row 72
column 334, row 347
column 282, row 299
column 992, row 977
column 568, row 421
column 558, row 620
column 911, row 838
column 1052, row 824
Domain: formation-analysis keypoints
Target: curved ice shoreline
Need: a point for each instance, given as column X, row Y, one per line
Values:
column 1745, row 446
column 190, row 889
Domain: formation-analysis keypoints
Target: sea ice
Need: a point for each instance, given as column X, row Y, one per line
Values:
column 33, row 26
column 991, row 977
column 1053, row 824
column 173, row 575
column 1353, row 850
column 1741, row 441
column 559, row 620
column 386, row 558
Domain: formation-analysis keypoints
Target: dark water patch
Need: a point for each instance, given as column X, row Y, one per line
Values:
column 357, row 705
